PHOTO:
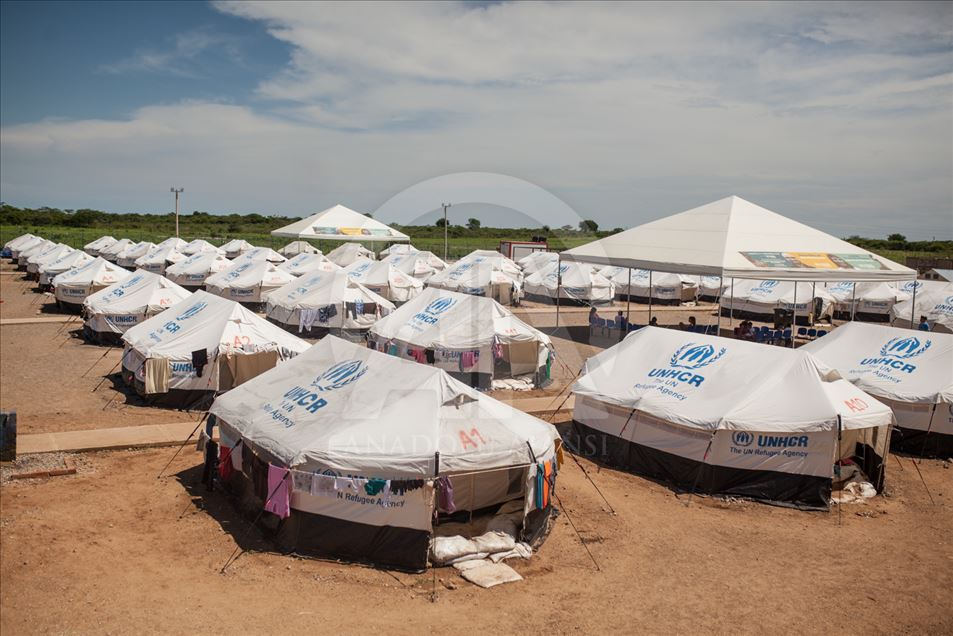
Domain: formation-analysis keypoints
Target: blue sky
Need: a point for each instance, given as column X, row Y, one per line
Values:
column 838, row 115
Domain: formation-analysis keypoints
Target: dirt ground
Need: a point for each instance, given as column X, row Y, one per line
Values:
column 113, row 549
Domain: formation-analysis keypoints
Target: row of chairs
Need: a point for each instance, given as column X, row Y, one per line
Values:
column 812, row 333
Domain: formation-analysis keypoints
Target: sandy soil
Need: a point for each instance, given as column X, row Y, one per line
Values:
column 112, row 549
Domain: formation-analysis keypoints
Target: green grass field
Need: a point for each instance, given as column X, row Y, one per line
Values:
column 458, row 246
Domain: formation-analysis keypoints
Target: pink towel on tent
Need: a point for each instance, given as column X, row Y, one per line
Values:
column 279, row 491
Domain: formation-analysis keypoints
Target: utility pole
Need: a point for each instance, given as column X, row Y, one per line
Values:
column 176, row 191
column 445, row 239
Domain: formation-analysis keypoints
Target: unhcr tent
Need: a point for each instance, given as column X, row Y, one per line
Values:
column 45, row 257
column 200, row 246
column 260, row 254
column 192, row 272
column 73, row 286
column 923, row 286
column 339, row 223
column 420, row 265
column 94, row 247
column 482, row 273
column 307, row 262
column 575, row 281
column 384, row 279
column 398, row 248
column 236, row 247
column 723, row 416
column 248, row 281
column 757, row 299
column 373, row 449
column 865, row 301
column 110, row 312
column 475, row 339
column 937, row 306
column 298, row 247
column 17, row 243
column 174, row 242
column 112, row 252
column 49, row 270
column 347, row 253
column 160, row 257
column 911, row 372
column 201, row 345
column 128, row 257
column 666, row 289
column 319, row 302
column 30, row 249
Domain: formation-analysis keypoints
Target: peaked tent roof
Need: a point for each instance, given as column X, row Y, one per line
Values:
column 113, row 250
column 142, row 293
column 23, row 239
column 76, row 258
column 734, row 384
column 248, row 281
column 316, row 290
column 372, row 402
column 735, row 238
column 937, row 306
column 866, row 354
column 305, row 262
column 199, row 246
column 173, row 241
column 347, row 253
column 196, row 268
column 378, row 275
column 205, row 321
column 158, row 256
column 259, row 254
column 340, row 223
column 93, row 247
column 298, row 247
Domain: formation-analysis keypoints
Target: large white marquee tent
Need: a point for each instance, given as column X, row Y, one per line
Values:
column 339, row 223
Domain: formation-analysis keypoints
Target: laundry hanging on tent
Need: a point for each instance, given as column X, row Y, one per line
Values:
column 199, row 360
column 323, row 486
column 359, row 306
column 157, row 372
column 545, row 483
column 306, row 319
column 209, row 469
column 430, row 356
column 279, row 491
column 445, row 495
column 225, row 466
column 301, row 481
column 401, row 487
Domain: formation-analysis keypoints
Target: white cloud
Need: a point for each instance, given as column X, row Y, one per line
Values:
column 840, row 115
column 182, row 57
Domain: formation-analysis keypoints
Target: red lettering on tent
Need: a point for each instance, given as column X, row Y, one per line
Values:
column 475, row 433
column 466, row 440
column 856, row 405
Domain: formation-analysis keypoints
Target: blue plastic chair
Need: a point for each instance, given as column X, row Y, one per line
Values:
column 812, row 333
column 787, row 334
column 821, row 333
column 802, row 332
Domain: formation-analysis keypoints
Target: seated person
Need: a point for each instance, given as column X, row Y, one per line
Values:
column 745, row 332
column 653, row 322
column 593, row 317
column 621, row 322
column 692, row 324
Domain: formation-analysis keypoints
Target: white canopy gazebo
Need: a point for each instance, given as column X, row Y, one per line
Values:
column 733, row 238
column 340, row 223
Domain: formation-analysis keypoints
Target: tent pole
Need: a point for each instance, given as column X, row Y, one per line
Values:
column 813, row 303
column 650, row 297
column 628, row 298
column 913, row 303
column 721, row 289
column 853, row 300
column 731, row 305
column 559, row 264
column 794, row 315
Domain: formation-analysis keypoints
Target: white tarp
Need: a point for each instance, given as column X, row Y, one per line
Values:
column 735, row 238
column 112, row 252
column 199, row 246
column 350, row 409
column 340, row 223
column 764, row 296
column 576, row 281
column 260, row 254
column 298, row 247
column 313, row 294
column 49, row 270
column 127, row 258
column 193, row 271
column 249, row 281
column 93, row 247
column 420, row 265
column 160, row 257
column 73, row 286
column 937, row 306
column 47, row 256
column 865, row 298
column 686, row 390
column 451, row 323
column 132, row 300
column 344, row 255
column 236, row 247
column 307, row 262
column 206, row 322
column 383, row 279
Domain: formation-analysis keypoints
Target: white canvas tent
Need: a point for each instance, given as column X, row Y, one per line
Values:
column 574, row 281
column 320, row 301
column 340, row 223
column 344, row 255
column 384, row 279
column 49, row 270
column 174, row 242
column 729, row 417
column 200, row 345
column 45, row 257
column 127, row 257
column 307, row 262
column 420, row 265
column 159, row 258
column 910, row 372
column 236, row 247
column 757, row 299
column 482, row 273
column 475, row 339
column 193, row 271
column 73, row 286
column 93, row 247
column 29, row 249
column 639, row 285
column 112, row 252
column 865, row 301
column 260, row 254
column 298, row 247
column 16, row 244
column 112, row 311
column 199, row 246
column 340, row 410
column 535, row 261
column 937, row 306
column 398, row 248
column 248, row 281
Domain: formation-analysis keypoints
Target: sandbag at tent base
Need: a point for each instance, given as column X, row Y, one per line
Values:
column 786, row 489
column 920, row 443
